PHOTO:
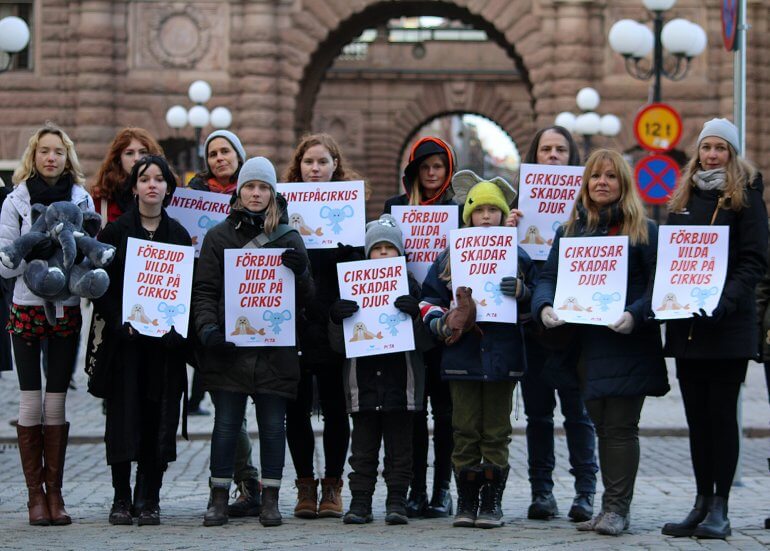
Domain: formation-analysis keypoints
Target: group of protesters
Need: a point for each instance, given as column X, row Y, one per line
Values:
column 463, row 372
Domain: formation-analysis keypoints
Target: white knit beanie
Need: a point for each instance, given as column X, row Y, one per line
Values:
column 259, row 169
column 721, row 128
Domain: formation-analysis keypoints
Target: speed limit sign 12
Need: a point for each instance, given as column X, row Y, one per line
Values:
column 658, row 127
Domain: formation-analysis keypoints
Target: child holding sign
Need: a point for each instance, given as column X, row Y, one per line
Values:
column 620, row 364
column 269, row 375
column 144, row 377
column 482, row 364
column 382, row 393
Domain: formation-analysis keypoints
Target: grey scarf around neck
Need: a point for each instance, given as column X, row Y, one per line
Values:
column 710, row 179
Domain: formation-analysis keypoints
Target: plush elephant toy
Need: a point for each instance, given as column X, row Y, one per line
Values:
column 76, row 265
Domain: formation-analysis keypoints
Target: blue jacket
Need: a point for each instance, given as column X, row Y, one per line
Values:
column 498, row 353
column 615, row 365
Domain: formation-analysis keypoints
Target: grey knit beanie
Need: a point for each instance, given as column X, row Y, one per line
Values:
column 256, row 168
column 230, row 137
column 384, row 229
column 721, row 128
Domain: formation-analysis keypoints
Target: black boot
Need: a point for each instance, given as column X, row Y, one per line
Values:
column 716, row 525
column 120, row 512
column 582, row 508
column 149, row 514
column 360, row 511
column 216, row 514
column 395, row 507
column 441, row 502
column 543, row 506
column 139, row 493
column 491, row 511
column 249, row 500
column 468, row 482
column 417, row 503
column 270, row 515
column 686, row 528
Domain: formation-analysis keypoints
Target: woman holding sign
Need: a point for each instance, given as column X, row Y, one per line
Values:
column 144, row 377
column 269, row 374
column 427, row 181
column 318, row 158
column 712, row 352
column 617, row 365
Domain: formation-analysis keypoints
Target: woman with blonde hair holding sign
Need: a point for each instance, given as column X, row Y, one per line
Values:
column 712, row 352
column 617, row 365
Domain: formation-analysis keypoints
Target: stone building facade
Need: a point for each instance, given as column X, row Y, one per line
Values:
column 99, row 65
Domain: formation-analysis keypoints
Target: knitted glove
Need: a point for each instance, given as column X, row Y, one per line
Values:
column 294, row 260
column 348, row 253
column 408, row 305
column 173, row 340
column 213, row 339
column 342, row 309
column 514, row 287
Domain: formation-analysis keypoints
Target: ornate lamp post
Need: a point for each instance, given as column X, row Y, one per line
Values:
column 14, row 37
column 681, row 38
column 588, row 123
column 198, row 116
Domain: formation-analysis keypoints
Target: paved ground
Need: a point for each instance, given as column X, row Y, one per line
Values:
column 663, row 492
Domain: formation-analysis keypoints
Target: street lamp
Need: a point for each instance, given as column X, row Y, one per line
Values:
column 14, row 37
column 681, row 38
column 198, row 116
column 589, row 123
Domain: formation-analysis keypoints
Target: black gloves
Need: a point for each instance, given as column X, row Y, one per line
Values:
column 342, row 309
column 213, row 339
column 514, row 287
column 348, row 253
column 716, row 316
column 294, row 260
column 172, row 340
column 408, row 305
column 43, row 249
column 127, row 332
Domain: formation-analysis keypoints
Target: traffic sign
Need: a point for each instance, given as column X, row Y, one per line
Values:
column 658, row 127
column 730, row 23
column 656, row 177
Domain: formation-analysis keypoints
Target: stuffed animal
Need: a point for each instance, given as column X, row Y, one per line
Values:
column 62, row 275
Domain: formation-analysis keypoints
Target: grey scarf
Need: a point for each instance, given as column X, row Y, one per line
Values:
column 708, row 180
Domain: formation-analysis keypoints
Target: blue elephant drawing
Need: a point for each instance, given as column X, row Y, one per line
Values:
column 390, row 321
column 604, row 300
column 700, row 295
column 169, row 311
column 336, row 216
column 494, row 290
column 206, row 223
column 276, row 319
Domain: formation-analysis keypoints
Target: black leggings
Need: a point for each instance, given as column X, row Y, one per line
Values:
column 711, row 407
column 62, row 352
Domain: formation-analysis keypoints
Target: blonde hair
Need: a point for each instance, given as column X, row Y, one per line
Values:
column 26, row 169
column 634, row 223
column 272, row 212
column 738, row 174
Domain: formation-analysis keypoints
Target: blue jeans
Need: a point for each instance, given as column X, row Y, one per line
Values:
column 539, row 404
column 229, row 409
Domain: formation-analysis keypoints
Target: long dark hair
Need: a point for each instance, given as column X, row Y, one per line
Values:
column 141, row 167
column 574, row 152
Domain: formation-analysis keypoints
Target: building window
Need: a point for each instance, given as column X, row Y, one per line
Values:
column 22, row 61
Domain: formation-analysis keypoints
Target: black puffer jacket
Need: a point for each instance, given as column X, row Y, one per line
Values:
column 268, row 370
column 735, row 334
column 615, row 365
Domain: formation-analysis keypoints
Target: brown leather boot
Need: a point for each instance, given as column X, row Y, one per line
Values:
column 55, row 444
column 307, row 498
column 331, row 498
column 31, row 452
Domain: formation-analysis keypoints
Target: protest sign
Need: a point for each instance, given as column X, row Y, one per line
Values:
column 546, row 196
column 327, row 213
column 592, row 279
column 378, row 327
column 481, row 257
column 691, row 270
column 425, row 232
column 198, row 212
column 259, row 298
column 157, row 284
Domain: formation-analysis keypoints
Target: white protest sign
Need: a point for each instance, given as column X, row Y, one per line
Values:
column 691, row 270
column 327, row 213
column 259, row 298
column 546, row 196
column 481, row 257
column 592, row 279
column 157, row 284
column 198, row 212
column 425, row 230
column 378, row 327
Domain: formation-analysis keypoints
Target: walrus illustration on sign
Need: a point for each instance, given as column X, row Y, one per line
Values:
column 138, row 315
column 670, row 302
column 361, row 333
column 297, row 222
column 243, row 327
column 571, row 303
column 532, row 237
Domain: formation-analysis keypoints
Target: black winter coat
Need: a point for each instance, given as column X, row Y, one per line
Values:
column 251, row 370
column 615, row 365
column 142, row 369
column 735, row 334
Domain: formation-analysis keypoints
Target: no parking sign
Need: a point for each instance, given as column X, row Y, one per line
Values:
column 656, row 178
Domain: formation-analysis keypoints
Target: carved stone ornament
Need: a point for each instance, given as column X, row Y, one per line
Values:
column 180, row 36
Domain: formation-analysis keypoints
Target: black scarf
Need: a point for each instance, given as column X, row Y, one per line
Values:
column 608, row 216
column 41, row 192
